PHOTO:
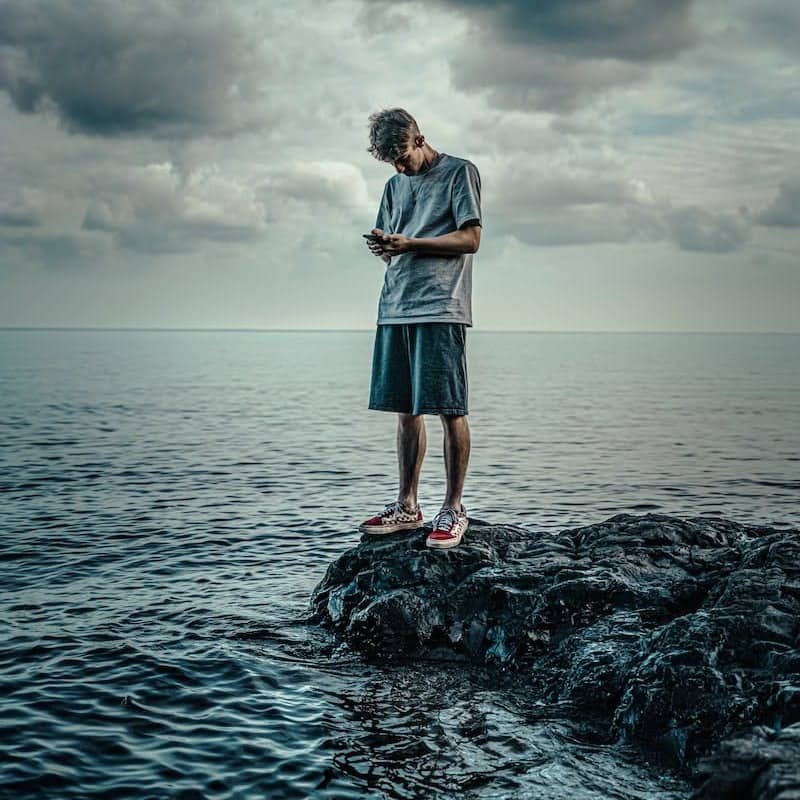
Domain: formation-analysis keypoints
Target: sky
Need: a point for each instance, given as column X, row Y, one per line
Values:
column 204, row 164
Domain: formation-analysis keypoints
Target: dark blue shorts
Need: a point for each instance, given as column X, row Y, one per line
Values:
column 420, row 368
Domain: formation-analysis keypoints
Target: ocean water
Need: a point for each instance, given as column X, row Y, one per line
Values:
column 169, row 500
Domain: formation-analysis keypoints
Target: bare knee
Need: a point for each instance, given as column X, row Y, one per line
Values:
column 408, row 419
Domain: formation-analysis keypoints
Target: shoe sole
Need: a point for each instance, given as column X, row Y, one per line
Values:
column 442, row 544
column 398, row 526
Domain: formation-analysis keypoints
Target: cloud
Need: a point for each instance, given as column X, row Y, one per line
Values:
column 775, row 23
column 543, row 188
column 784, row 211
column 156, row 209
column 700, row 230
column 586, row 226
column 309, row 188
column 379, row 17
column 620, row 30
column 514, row 76
column 544, row 208
column 163, row 69
column 234, row 135
column 690, row 228
column 560, row 55
column 28, row 210
column 167, row 207
column 51, row 249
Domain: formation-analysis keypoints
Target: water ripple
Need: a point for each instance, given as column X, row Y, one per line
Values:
column 171, row 499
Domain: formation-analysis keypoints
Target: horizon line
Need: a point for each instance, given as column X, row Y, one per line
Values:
column 351, row 330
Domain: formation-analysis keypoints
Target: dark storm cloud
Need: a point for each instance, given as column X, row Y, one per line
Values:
column 784, row 211
column 624, row 30
column 165, row 69
column 558, row 55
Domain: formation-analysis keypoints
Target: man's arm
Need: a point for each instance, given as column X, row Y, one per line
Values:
column 465, row 240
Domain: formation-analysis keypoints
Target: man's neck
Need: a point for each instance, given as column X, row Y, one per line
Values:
column 430, row 157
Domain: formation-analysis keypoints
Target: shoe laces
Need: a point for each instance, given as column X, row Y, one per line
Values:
column 445, row 519
column 391, row 508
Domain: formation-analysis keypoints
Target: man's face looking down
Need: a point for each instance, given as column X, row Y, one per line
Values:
column 410, row 162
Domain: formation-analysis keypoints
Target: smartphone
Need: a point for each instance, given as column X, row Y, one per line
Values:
column 371, row 237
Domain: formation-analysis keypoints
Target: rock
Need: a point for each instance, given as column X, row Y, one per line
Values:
column 679, row 635
column 763, row 764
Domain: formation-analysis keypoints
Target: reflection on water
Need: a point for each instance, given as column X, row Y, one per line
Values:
column 170, row 500
column 447, row 731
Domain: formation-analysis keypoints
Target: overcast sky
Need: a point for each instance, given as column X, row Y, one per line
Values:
column 205, row 164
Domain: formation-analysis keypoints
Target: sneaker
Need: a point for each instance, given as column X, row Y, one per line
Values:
column 449, row 527
column 394, row 517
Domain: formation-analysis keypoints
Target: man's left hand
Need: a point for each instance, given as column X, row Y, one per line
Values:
column 396, row 243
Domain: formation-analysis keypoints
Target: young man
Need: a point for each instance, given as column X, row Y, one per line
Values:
column 429, row 226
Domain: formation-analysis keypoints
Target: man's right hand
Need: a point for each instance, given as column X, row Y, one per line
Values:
column 376, row 247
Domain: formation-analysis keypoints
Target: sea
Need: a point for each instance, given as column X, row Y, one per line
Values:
column 169, row 499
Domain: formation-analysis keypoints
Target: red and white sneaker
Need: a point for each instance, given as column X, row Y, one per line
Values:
column 449, row 527
column 394, row 517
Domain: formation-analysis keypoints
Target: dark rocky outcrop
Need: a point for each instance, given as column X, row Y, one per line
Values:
column 680, row 635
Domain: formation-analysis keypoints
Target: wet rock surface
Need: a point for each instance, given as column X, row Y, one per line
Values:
column 681, row 636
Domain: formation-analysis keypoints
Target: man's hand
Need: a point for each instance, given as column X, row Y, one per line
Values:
column 396, row 243
column 377, row 248
column 465, row 240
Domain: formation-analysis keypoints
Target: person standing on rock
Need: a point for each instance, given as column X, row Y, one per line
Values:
column 428, row 228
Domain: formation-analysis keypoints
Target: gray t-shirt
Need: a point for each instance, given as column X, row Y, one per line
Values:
column 429, row 287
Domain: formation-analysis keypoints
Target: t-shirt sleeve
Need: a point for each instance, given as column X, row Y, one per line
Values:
column 384, row 217
column 467, row 195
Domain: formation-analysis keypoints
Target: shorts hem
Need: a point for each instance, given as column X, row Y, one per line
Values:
column 453, row 412
column 383, row 408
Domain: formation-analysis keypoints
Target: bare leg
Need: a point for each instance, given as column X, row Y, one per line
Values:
column 411, row 443
column 456, row 456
